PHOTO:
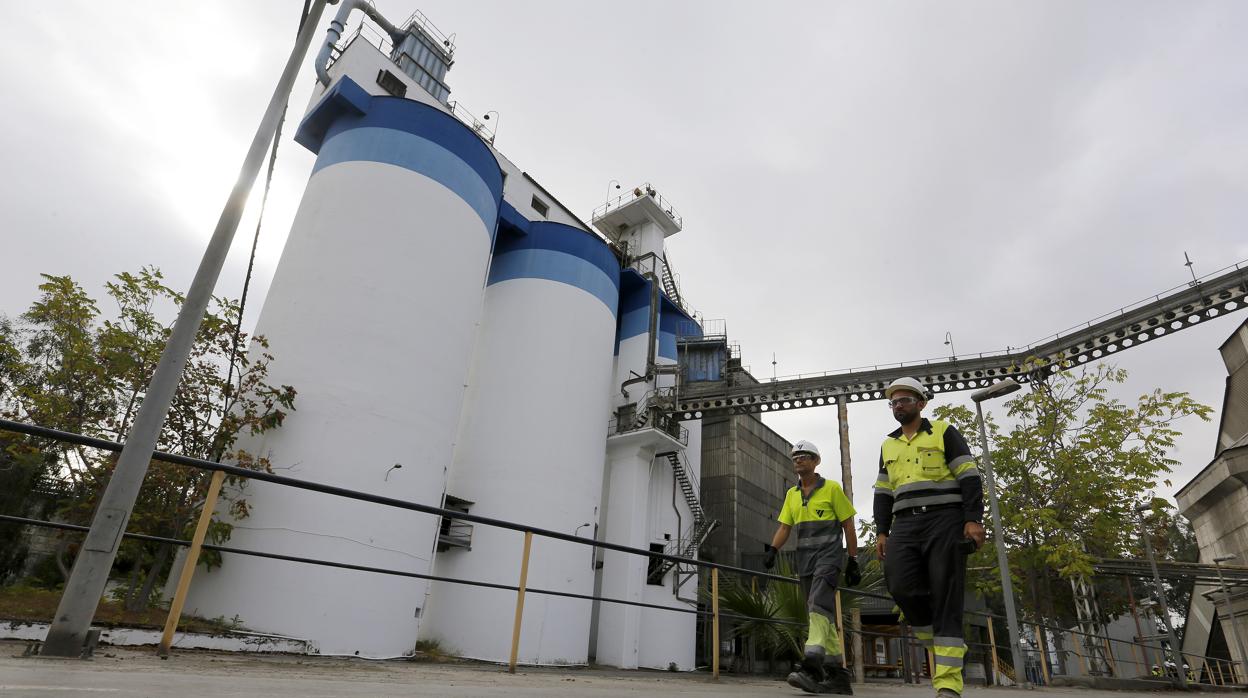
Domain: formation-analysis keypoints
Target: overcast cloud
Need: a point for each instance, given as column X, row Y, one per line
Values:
column 856, row 180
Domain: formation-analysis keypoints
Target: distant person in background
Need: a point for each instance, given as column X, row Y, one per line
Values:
column 823, row 517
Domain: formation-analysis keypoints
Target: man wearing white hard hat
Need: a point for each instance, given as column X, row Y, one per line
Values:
column 929, row 513
column 823, row 517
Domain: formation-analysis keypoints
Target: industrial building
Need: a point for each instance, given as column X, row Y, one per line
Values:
column 1215, row 501
column 745, row 464
column 461, row 339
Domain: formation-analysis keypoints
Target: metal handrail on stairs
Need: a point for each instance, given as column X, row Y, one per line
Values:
column 687, row 545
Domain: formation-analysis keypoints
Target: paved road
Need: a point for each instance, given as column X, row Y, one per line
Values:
column 137, row 672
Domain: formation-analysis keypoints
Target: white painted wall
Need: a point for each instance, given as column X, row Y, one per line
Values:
column 519, row 192
column 371, row 317
column 530, row 450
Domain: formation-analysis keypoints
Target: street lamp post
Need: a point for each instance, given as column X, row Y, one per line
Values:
column 1175, row 655
column 1230, row 611
column 993, row 391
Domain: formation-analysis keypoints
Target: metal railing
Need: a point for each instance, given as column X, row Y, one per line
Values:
column 707, row 329
column 657, row 266
column 637, row 192
column 665, row 422
column 1215, row 669
column 379, row 40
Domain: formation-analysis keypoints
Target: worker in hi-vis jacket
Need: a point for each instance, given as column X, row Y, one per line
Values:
column 823, row 517
column 929, row 512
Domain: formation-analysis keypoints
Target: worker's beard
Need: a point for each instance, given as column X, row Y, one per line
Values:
column 905, row 417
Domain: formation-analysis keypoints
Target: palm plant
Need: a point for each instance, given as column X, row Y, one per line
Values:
column 772, row 615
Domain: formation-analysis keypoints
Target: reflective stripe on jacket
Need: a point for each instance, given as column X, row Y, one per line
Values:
column 817, row 521
column 926, row 470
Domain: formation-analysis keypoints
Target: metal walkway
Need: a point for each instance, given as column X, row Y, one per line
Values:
column 1171, row 311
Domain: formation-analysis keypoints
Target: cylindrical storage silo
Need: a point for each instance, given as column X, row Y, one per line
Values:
column 532, row 446
column 371, row 317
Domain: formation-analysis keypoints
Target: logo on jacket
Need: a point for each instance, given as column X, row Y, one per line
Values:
column 818, row 512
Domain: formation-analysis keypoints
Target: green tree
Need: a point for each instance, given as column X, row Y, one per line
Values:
column 67, row 368
column 1069, row 473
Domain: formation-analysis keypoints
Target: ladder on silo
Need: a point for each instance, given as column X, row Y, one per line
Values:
column 686, row 546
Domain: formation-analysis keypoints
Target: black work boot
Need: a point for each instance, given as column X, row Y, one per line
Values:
column 808, row 677
column 836, row 680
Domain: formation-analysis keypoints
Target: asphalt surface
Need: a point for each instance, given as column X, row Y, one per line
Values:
column 138, row 672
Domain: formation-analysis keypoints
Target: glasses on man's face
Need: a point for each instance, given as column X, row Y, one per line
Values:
column 803, row 457
column 903, row 401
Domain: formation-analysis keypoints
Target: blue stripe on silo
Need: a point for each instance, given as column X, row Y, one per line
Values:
column 634, row 311
column 552, row 265
column 421, row 155
column 669, row 321
column 562, row 253
column 634, row 322
column 345, row 126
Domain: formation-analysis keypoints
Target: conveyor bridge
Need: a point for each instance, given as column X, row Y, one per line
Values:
column 1171, row 311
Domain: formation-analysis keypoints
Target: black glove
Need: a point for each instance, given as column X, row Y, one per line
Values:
column 769, row 560
column 852, row 576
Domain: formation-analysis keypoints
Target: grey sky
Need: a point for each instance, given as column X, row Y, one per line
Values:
column 856, row 179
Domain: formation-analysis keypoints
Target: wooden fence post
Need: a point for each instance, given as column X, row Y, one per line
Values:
column 715, row 622
column 524, row 578
column 192, row 559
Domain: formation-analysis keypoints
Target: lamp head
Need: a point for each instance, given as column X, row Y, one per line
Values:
column 996, row 390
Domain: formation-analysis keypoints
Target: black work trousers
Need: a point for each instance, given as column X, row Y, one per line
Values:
column 926, row 574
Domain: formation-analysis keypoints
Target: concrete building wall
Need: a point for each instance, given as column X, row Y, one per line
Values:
column 745, row 474
column 1216, row 503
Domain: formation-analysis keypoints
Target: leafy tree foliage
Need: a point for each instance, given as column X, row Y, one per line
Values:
column 64, row 365
column 1069, row 473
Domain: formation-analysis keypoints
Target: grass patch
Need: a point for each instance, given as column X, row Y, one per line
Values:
column 431, row 650
column 39, row 606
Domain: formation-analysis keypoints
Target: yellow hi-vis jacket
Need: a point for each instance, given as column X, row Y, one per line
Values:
column 932, row 469
column 817, row 518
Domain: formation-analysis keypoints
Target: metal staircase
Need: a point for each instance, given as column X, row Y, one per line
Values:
column 687, row 545
column 669, row 282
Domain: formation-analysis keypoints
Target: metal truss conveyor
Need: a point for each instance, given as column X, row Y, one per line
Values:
column 1211, row 296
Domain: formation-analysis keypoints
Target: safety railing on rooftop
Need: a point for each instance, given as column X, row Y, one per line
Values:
column 419, row 19
column 1216, row 668
column 637, row 192
column 379, row 40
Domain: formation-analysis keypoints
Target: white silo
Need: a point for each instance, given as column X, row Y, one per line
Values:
column 531, row 445
column 371, row 313
column 642, row 504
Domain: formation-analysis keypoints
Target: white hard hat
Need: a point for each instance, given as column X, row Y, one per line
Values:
column 906, row 383
column 804, row 447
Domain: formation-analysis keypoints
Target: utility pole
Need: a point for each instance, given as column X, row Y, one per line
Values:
column 847, row 472
column 1175, row 656
column 91, row 568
